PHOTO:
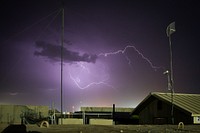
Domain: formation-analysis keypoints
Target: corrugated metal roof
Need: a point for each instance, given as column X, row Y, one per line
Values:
column 188, row 102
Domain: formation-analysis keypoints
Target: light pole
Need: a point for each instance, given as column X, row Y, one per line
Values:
column 170, row 30
column 168, row 79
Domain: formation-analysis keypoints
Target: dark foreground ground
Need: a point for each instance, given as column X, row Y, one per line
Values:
column 101, row 129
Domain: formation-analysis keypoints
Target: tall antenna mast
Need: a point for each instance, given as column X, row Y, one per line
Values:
column 170, row 30
column 61, row 81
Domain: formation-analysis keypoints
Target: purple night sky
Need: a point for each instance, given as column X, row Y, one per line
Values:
column 115, row 51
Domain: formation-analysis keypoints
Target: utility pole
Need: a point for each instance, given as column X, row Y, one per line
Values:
column 171, row 29
column 62, row 43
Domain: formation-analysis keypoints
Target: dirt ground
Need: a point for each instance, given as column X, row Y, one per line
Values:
column 104, row 129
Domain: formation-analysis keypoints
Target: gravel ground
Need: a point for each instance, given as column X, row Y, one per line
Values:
column 105, row 129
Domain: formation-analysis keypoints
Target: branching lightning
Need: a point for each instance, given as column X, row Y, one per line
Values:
column 86, row 70
column 129, row 61
column 81, row 64
column 77, row 80
column 90, row 84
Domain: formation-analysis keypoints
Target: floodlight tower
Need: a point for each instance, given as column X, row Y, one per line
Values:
column 171, row 29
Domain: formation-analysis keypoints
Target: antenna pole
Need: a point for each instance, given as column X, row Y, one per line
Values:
column 170, row 30
column 171, row 80
column 62, row 43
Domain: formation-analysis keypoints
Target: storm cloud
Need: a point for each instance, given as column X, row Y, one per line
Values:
column 53, row 52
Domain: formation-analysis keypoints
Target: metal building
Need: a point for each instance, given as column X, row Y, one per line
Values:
column 156, row 108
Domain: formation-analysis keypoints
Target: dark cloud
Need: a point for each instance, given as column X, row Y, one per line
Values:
column 53, row 52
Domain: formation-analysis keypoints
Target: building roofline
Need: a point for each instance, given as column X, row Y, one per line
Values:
column 178, row 94
column 154, row 95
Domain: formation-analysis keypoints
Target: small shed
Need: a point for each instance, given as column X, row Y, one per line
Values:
column 157, row 108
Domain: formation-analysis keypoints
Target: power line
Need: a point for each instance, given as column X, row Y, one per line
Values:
column 37, row 22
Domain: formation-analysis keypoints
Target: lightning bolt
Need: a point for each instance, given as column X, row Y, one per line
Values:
column 129, row 61
column 90, row 84
column 81, row 64
column 77, row 80
column 84, row 68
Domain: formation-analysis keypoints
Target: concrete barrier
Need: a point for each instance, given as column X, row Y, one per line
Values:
column 71, row 121
column 101, row 122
